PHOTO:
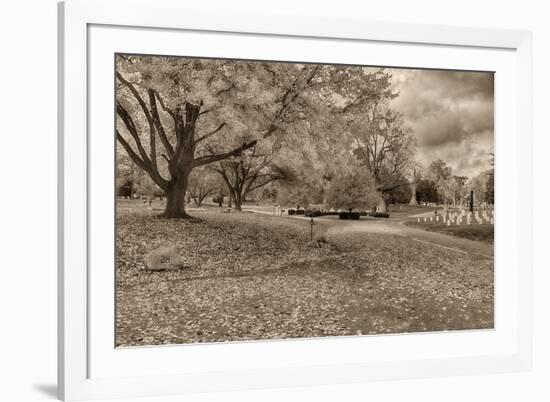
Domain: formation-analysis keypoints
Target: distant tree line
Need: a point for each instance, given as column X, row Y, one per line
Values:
column 439, row 185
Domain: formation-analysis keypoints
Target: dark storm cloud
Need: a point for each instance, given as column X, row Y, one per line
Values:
column 451, row 113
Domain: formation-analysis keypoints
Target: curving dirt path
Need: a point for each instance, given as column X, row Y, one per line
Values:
column 397, row 228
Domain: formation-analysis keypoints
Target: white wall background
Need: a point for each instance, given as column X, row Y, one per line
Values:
column 28, row 199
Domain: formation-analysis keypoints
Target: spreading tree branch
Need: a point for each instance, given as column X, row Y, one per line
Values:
column 158, row 124
column 208, row 110
column 138, row 97
column 137, row 160
column 163, row 105
column 210, row 133
column 225, row 90
column 145, row 165
column 204, row 160
column 130, row 126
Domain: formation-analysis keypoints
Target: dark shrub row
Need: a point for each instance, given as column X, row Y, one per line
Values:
column 349, row 215
column 312, row 213
column 381, row 214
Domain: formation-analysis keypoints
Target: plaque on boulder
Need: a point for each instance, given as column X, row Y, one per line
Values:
column 163, row 259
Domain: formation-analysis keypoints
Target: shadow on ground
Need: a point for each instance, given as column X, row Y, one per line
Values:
column 49, row 390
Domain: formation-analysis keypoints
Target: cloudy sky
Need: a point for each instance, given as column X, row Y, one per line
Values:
column 451, row 113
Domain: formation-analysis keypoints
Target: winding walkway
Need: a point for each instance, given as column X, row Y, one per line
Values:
column 396, row 227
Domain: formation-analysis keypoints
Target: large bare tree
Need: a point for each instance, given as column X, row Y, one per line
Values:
column 251, row 171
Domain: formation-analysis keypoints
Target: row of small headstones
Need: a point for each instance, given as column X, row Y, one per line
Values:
column 457, row 218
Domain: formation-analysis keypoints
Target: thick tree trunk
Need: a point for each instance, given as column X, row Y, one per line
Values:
column 175, row 198
column 413, row 200
column 238, row 202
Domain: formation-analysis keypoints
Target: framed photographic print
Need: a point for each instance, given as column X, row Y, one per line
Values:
column 266, row 201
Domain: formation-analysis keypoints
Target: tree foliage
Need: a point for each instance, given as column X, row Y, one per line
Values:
column 441, row 174
column 353, row 188
column 426, row 191
column 252, row 170
column 256, row 123
column 380, row 138
column 301, row 191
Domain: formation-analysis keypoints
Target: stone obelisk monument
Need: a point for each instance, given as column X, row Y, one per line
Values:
column 413, row 200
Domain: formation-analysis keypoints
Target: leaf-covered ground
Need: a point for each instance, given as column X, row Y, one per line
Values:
column 254, row 276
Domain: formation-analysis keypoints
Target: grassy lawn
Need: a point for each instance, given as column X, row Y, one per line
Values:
column 475, row 231
column 254, row 276
column 404, row 211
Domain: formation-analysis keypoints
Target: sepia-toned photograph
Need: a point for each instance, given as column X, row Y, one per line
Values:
column 266, row 200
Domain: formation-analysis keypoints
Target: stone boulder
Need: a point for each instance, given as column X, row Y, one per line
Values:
column 164, row 259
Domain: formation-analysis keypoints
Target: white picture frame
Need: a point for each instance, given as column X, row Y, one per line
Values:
column 75, row 382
